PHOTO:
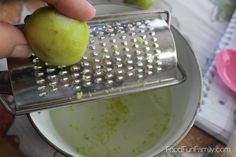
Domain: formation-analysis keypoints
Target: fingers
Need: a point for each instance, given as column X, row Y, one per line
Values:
column 12, row 42
column 77, row 9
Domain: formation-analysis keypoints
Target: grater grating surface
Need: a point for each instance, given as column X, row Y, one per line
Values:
column 127, row 53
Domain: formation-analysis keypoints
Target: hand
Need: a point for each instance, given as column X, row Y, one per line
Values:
column 12, row 40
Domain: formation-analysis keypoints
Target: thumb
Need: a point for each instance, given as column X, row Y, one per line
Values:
column 12, row 42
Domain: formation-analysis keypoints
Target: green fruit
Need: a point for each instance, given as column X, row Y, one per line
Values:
column 55, row 38
column 145, row 4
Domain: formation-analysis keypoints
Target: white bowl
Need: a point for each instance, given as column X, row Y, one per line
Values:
column 65, row 128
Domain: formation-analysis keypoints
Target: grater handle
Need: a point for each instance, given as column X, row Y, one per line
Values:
column 5, row 85
column 6, row 92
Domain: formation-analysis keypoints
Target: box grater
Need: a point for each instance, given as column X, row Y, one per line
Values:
column 127, row 53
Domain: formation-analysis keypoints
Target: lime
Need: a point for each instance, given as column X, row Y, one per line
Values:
column 145, row 4
column 55, row 38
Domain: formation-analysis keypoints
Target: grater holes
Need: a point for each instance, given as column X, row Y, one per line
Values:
column 140, row 64
column 155, row 45
column 135, row 46
column 84, row 58
column 137, row 52
column 117, row 53
column 150, row 28
column 52, row 83
column 85, row 64
column 109, row 82
column 128, row 56
column 123, row 37
column 40, row 81
column 118, row 59
column 108, row 63
column 98, row 73
column 149, row 72
column 91, row 41
column 119, row 64
column 112, row 34
column 109, row 76
column 87, row 84
column 152, row 33
column 77, row 88
column 52, row 86
column 159, row 63
column 134, row 40
column 76, row 82
column 96, row 60
column 138, row 23
column 146, row 49
column 92, row 35
column 38, row 74
column 97, row 66
column 157, row 52
column 102, row 37
column 92, row 47
column 53, row 89
column 126, row 49
column 102, row 44
column 147, row 22
column 94, row 54
column 42, row 88
column 38, row 67
column 140, row 41
column 140, row 76
column 148, row 56
column 106, row 57
column 124, row 43
column 158, row 69
column 120, row 78
column 104, row 50
column 64, row 79
column 42, row 94
column 63, row 72
column 66, row 85
column 144, row 37
column 36, row 60
column 132, row 34
column 75, row 75
column 98, row 80
column 113, row 41
column 114, row 47
column 86, row 78
column 86, row 71
column 110, row 30
column 50, row 70
column 129, row 62
column 121, row 31
column 108, row 69
column 139, row 58
column 101, row 33
column 140, row 72
column 150, row 67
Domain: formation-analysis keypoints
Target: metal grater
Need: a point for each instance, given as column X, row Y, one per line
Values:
column 127, row 53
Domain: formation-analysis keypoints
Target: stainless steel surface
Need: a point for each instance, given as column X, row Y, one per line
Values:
column 5, row 84
column 129, row 52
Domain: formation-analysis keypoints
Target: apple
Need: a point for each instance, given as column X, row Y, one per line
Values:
column 144, row 4
column 55, row 38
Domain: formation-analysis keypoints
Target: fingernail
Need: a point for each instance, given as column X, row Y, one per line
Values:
column 22, row 51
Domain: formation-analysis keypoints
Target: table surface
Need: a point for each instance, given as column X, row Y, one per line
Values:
column 11, row 11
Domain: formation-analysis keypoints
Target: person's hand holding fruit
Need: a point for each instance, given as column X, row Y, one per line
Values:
column 13, row 42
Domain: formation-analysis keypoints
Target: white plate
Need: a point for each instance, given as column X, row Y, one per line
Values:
column 185, row 102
